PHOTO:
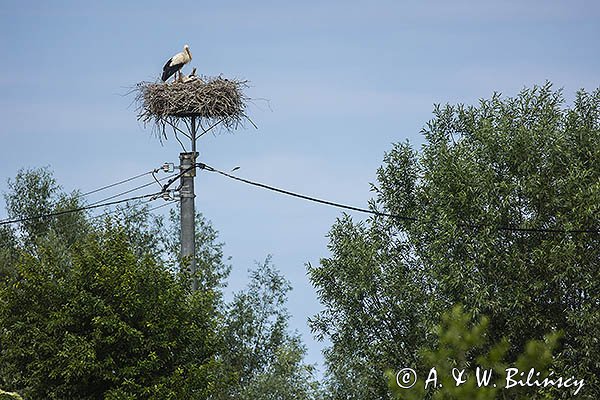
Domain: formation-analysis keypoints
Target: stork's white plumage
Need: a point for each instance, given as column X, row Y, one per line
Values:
column 176, row 63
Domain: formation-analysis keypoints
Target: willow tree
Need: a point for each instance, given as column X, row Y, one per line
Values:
column 498, row 211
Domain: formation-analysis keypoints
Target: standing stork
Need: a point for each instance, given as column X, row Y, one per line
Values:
column 176, row 63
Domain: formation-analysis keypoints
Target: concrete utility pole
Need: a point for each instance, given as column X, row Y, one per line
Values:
column 187, row 167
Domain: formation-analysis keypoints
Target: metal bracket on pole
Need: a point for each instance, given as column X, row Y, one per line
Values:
column 187, row 162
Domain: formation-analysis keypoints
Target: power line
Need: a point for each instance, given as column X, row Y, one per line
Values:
column 132, row 190
column 396, row 216
column 72, row 210
column 106, row 213
column 100, row 203
column 174, row 177
column 95, row 204
column 301, row 196
column 115, row 184
column 168, row 203
column 165, row 167
column 116, row 210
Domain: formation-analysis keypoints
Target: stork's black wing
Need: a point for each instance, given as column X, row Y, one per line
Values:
column 169, row 69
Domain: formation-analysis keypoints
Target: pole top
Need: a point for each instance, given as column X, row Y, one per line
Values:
column 190, row 155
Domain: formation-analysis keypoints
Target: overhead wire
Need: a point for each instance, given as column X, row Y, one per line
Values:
column 107, row 213
column 72, row 210
column 302, row 196
column 79, row 195
column 396, row 216
column 134, row 189
column 116, row 210
column 115, row 184
column 99, row 203
column 172, row 178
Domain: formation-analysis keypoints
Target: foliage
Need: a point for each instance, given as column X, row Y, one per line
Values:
column 458, row 357
column 107, row 323
column 94, row 309
column 524, row 162
column 146, row 232
column 212, row 271
column 8, row 252
column 264, row 358
column 35, row 192
column 9, row 395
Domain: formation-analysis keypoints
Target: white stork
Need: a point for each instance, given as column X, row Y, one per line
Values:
column 176, row 63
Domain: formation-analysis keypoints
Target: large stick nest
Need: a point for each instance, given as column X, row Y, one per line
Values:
column 212, row 100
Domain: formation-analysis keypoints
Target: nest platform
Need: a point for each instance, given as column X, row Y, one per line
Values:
column 210, row 100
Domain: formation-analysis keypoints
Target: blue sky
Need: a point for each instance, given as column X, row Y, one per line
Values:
column 343, row 81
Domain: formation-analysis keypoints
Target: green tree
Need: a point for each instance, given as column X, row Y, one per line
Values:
column 524, row 162
column 107, row 313
column 265, row 360
column 8, row 251
column 211, row 264
column 458, row 356
column 9, row 395
column 32, row 193
column 92, row 309
column 35, row 192
column 105, row 325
